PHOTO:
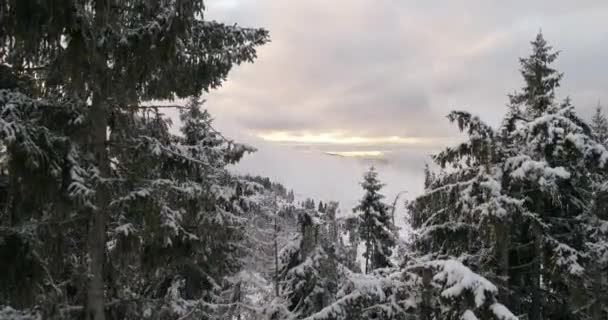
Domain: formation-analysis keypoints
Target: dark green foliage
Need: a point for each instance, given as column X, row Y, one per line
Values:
column 76, row 70
column 150, row 49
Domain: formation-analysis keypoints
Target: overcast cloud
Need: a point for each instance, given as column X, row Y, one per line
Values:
column 382, row 68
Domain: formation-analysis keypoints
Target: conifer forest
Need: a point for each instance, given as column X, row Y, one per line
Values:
column 119, row 198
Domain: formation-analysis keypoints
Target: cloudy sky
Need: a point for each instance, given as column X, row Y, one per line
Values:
column 347, row 80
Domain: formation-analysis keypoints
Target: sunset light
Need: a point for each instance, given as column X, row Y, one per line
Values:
column 342, row 139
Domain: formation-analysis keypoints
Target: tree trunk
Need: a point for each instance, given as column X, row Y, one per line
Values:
column 237, row 300
column 276, row 257
column 97, row 226
column 426, row 307
column 367, row 250
column 503, row 244
column 536, row 303
column 99, row 123
column 596, row 308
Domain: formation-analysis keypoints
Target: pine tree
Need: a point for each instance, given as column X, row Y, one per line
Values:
column 375, row 227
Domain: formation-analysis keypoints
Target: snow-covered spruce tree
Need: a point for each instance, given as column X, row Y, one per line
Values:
column 419, row 289
column 166, row 203
column 333, row 236
column 313, row 264
column 114, row 55
column 375, row 227
column 317, row 283
column 42, row 236
column 176, row 226
column 538, row 94
column 596, row 273
column 553, row 159
column 302, row 261
column 463, row 215
column 599, row 125
column 597, row 230
column 271, row 224
column 513, row 204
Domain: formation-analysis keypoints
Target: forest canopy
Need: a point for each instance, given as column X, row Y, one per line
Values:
column 109, row 210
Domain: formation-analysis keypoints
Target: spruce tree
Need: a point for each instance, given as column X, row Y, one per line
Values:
column 513, row 203
column 596, row 273
column 549, row 139
column 111, row 56
column 599, row 124
column 540, row 79
column 41, row 228
column 597, row 230
column 255, row 291
column 375, row 227
column 177, row 201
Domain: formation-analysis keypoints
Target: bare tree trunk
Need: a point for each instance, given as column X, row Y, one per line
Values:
column 237, row 299
column 426, row 308
column 367, row 250
column 596, row 308
column 97, row 226
column 276, row 257
column 536, row 303
column 503, row 244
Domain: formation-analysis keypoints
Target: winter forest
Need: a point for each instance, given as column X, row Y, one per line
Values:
column 112, row 209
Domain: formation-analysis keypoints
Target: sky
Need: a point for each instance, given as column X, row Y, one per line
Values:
column 348, row 83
